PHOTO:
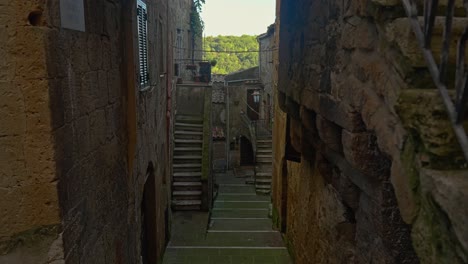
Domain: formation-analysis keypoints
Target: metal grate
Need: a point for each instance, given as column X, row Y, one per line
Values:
column 457, row 109
column 142, row 19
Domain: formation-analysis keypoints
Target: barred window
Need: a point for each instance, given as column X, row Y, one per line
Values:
column 142, row 18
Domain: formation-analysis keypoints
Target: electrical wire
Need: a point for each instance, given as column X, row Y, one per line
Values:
column 227, row 51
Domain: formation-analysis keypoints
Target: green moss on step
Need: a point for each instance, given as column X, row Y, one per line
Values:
column 275, row 218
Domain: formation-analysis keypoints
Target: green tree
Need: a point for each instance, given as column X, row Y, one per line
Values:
column 228, row 62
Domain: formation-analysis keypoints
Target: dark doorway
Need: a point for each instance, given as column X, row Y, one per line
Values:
column 252, row 107
column 246, row 152
column 148, row 220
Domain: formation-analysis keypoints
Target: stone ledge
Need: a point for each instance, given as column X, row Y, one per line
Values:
column 401, row 33
column 423, row 112
column 450, row 191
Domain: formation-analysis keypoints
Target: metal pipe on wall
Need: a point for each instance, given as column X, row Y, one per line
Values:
column 228, row 135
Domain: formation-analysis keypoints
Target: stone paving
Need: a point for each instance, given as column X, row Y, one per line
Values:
column 238, row 232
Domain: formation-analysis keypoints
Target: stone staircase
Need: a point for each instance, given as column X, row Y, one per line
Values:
column 187, row 163
column 263, row 168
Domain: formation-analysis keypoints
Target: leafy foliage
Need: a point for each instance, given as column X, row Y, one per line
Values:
column 196, row 22
column 231, row 62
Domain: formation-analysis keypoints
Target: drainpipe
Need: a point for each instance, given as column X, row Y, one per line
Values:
column 228, row 136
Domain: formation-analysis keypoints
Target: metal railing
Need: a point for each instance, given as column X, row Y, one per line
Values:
column 262, row 127
column 457, row 109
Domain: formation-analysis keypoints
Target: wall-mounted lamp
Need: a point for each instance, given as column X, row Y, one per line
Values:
column 256, row 97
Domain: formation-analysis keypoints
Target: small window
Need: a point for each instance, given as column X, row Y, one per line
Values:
column 189, row 44
column 176, row 69
column 142, row 18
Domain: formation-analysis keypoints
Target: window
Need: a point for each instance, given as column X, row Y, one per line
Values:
column 179, row 44
column 176, row 69
column 161, row 48
column 189, row 44
column 142, row 18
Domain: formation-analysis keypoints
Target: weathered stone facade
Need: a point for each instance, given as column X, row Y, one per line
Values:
column 83, row 147
column 187, row 48
column 267, row 49
column 380, row 174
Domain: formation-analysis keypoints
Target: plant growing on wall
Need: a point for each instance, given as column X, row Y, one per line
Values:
column 196, row 21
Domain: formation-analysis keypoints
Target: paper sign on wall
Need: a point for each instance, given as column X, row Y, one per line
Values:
column 72, row 14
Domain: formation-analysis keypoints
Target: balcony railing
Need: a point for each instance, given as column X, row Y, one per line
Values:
column 457, row 108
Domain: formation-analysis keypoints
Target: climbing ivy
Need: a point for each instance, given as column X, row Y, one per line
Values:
column 196, row 21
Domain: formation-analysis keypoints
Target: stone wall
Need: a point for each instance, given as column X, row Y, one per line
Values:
column 267, row 49
column 29, row 209
column 83, row 139
column 187, row 47
column 380, row 172
column 238, row 103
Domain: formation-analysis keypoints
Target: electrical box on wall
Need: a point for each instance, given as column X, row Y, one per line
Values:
column 72, row 14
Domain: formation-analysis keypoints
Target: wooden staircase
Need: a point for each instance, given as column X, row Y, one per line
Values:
column 264, row 165
column 187, row 163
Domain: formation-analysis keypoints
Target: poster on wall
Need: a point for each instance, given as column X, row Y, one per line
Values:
column 72, row 14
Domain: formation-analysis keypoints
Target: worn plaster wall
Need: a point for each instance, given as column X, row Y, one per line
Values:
column 380, row 172
column 29, row 209
column 85, row 135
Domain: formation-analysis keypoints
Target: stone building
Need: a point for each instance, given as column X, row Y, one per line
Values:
column 187, row 45
column 267, row 50
column 241, row 110
column 85, row 129
column 367, row 168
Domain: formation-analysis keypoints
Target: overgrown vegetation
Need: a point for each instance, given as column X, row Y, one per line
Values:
column 196, row 22
column 226, row 61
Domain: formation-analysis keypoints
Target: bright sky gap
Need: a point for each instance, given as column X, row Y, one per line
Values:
column 238, row 17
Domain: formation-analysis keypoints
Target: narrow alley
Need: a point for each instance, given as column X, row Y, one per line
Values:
column 233, row 131
column 238, row 230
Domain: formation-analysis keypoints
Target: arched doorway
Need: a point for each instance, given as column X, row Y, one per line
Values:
column 246, row 152
column 148, row 220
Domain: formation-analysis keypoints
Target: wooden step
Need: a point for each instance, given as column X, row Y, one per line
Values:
column 264, row 150
column 263, row 174
column 265, row 181
column 188, row 141
column 262, row 186
column 263, row 191
column 187, row 149
column 264, row 141
column 264, row 156
column 191, row 118
column 187, row 184
column 188, row 133
column 181, row 124
column 187, row 174
column 192, row 165
column 186, row 204
column 187, row 157
column 186, row 193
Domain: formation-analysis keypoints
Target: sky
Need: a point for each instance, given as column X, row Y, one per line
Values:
column 238, row 17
